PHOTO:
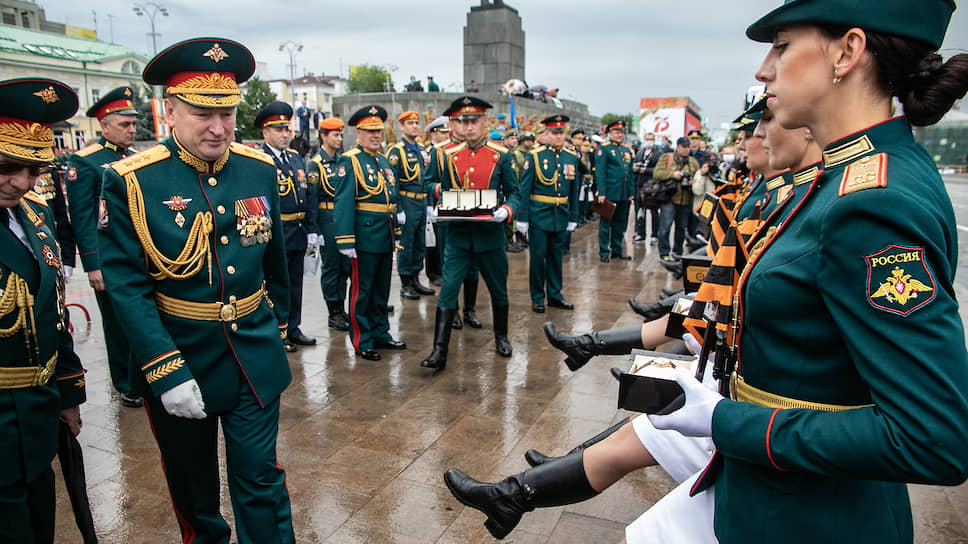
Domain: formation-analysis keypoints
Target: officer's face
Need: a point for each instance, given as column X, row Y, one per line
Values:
column 556, row 139
column 204, row 132
column 333, row 139
column 119, row 129
column 511, row 142
column 616, row 134
column 756, row 157
column 410, row 128
column 438, row 136
column 473, row 128
column 276, row 136
column 16, row 178
column 369, row 139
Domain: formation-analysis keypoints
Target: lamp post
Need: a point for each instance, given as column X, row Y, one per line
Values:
column 293, row 48
column 150, row 9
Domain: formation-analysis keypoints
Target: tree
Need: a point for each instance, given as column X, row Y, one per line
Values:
column 146, row 122
column 367, row 78
column 257, row 96
column 609, row 117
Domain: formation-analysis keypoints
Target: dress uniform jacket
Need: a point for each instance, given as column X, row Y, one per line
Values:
column 865, row 266
column 549, row 188
column 322, row 193
column 84, row 171
column 613, row 171
column 408, row 164
column 49, row 186
column 298, row 217
column 40, row 374
column 205, row 315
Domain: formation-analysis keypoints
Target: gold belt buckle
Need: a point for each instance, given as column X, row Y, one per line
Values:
column 227, row 312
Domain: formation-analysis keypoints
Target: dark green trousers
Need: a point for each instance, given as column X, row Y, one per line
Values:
column 547, row 249
column 335, row 269
column 611, row 233
column 27, row 510
column 458, row 262
column 473, row 272
column 257, row 484
column 119, row 354
column 369, row 295
column 413, row 237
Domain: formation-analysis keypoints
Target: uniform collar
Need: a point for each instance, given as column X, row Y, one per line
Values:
column 364, row 150
column 201, row 165
column 864, row 142
column 112, row 146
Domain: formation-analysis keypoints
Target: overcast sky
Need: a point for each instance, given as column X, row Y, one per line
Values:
column 607, row 53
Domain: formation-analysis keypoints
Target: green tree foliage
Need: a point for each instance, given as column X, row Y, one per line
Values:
column 368, row 79
column 257, row 96
column 609, row 117
column 146, row 123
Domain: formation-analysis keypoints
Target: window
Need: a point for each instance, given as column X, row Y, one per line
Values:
column 95, row 95
column 59, row 141
column 130, row 67
column 79, row 139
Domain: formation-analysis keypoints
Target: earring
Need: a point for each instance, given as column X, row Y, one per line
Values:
column 836, row 77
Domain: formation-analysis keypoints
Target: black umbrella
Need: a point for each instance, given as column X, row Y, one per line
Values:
column 72, row 466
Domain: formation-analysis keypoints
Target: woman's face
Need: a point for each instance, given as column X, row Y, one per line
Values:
column 785, row 147
column 756, row 156
column 798, row 75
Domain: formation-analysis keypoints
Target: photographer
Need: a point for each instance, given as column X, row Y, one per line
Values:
column 675, row 171
column 648, row 193
column 705, row 181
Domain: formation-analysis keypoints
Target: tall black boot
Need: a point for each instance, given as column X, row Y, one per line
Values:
column 535, row 457
column 437, row 359
column 581, row 347
column 654, row 310
column 337, row 317
column 556, row 483
column 456, row 324
column 406, row 287
column 470, row 300
column 420, row 288
column 501, row 330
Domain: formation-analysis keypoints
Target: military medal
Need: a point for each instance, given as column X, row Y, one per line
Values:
column 252, row 221
column 177, row 204
column 42, row 235
column 50, row 257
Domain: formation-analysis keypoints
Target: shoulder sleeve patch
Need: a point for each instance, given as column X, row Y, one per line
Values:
column 898, row 280
column 93, row 148
column 867, row 173
column 247, row 151
column 151, row 155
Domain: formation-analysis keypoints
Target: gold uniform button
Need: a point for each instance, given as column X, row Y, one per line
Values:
column 232, row 299
column 234, row 327
column 220, row 209
column 60, row 327
column 230, row 269
column 471, row 168
column 212, row 181
column 224, row 239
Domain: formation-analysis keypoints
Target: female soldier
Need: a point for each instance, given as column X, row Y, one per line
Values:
column 816, row 447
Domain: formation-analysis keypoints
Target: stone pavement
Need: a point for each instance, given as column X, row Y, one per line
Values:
column 365, row 444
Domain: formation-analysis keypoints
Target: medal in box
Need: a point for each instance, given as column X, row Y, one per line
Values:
column 467, row 205
column 650, row 384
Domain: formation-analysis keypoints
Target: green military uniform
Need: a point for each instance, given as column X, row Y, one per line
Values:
column 335, row 269
column 40, row 374
column 365, row 208
column 194, row 259
column 408, row 162
column 84, row 172
column 614, row 181
column 549, row 192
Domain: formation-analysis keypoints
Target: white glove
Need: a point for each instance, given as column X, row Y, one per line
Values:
column 401, row 218
column 184, row 400
column 312, row 239
column 431, row 214
column 572, row 225
column 351, row 253
column 522, row 227
column 500, row 215
column 68, row 272
column 695, row 418
column 320, row 240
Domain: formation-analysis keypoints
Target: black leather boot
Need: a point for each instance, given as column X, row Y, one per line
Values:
column 456, row 324
column 419, row 287
column 338, row 319
column 437, row 359
column 654, row 310
column 556, row 483
column 470, row 300
column 535, row 457
column 581, row 347
column 406, row 287
column 501, row 341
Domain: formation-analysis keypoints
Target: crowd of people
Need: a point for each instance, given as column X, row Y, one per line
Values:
column 202, row 242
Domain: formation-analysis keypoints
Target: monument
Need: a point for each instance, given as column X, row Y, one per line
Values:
column 493, row 46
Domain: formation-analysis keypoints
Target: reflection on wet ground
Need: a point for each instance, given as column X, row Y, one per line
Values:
column 365, row 444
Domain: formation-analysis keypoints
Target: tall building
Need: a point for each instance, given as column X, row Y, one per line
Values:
column 493, row 46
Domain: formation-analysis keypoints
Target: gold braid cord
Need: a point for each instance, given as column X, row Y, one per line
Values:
column 539, row 175
column 17, row 297
column 379, row 188
column 409, row 174
column 195, row 254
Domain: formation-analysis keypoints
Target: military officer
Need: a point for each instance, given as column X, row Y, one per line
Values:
column 322, row 191
column 613, row 178
column 41, row 379
column 475, row 164
column 549, row 192
column 118, row 119
column 194, row 259
column 298, row 217
column 365, row 209
column 408, row 159
column 439, row 133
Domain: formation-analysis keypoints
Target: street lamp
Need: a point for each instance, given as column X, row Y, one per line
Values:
column 150, row 9
column 293, row 48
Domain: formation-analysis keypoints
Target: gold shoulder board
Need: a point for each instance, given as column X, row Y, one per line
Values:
column 35, row 198
column 291, row 150
column 93, row 148
column 572, row 151
column 246, row 151
column 455, row 149
column 441, row 144
column 497, row 147
column 867, row 173
column 151, row 155
column 352, row 152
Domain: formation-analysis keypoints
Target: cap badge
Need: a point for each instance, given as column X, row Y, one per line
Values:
column 373, row 111
column 127, row 92
column 48, row 95
column 467, row 101
column 216, row 53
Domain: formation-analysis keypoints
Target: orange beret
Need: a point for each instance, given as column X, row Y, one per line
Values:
column 331, row 123
column 408, row 115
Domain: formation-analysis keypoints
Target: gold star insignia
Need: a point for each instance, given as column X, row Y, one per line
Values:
column 467, row 101
column 48, row 95
column 127, row 92
column 215, row 53
column 373, row 111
